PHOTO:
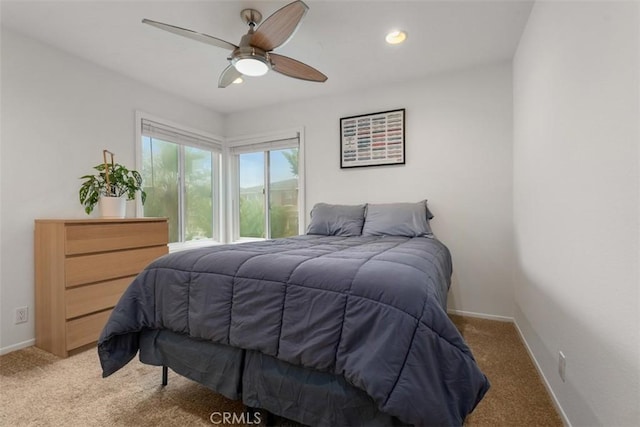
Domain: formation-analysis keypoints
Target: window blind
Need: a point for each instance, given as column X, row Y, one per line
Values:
column 279, row 144
column 179, row 136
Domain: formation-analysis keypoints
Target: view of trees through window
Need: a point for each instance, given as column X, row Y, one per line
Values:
column 180, row 185
column 161, row 172
column 282, row 193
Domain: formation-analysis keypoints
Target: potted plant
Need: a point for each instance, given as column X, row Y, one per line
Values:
column 108, row 187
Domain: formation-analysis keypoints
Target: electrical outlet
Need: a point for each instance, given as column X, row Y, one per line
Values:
column 22, row 315
column 562, row 365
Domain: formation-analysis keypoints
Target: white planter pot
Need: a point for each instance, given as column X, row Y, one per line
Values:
column 133, row 210
column 112, row 207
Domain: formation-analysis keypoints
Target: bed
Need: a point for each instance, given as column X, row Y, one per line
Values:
column 345, row 325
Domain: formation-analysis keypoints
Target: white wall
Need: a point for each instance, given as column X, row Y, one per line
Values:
column 576, row 204
column 459, row 156
column 58, row 113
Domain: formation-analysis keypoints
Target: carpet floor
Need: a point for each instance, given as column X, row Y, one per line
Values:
column 40, row 389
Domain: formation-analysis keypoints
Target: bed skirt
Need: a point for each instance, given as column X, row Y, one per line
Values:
column 260, row 381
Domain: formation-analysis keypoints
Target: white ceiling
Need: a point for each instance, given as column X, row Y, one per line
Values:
column 343, row 39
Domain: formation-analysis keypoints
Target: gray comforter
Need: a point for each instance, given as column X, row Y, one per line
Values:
column 371, row 309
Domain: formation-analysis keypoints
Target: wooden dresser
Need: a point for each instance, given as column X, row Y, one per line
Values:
column 82, row 267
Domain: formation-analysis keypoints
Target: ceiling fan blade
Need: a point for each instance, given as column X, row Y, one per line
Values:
column 296, row 69
column 204, row 38
column 277, row 29
column 228, row 76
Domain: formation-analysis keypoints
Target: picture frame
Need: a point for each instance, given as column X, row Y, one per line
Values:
column 374, row 139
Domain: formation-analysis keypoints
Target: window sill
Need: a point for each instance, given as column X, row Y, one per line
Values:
column 192, row 244
column 249, row 239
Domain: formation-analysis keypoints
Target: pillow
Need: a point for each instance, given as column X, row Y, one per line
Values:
column 336, row 220
column 398, row 219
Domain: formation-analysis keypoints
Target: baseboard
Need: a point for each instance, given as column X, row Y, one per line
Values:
column 15, row 347
column 554, row 399
column 480, row 315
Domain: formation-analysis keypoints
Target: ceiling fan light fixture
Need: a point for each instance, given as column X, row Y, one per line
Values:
column 254, row 56
column 396, row 37
column 252, row 66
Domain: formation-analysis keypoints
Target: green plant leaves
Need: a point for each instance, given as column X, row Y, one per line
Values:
column 122, row 181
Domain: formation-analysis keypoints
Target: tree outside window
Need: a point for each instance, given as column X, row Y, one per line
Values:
column 179, row 183
column 281, row 193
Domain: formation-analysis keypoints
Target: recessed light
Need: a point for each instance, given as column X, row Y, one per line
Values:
column 396, row 37
column 238, row 81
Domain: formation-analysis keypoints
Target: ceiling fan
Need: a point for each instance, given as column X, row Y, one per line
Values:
column 254, row 56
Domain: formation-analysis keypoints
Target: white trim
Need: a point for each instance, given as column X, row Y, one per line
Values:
column 219, row 194
column 248, row 240
column 547, row 385
column 266, row 188
column 481, row 315
column 138, row 156
column 18, row 346
column 191, row 244
column 233, row 204
column 302, row 201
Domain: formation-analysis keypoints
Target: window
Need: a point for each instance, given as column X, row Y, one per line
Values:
column 181, row 173
column 267, row 189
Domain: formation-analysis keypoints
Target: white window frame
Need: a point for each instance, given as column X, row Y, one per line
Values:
column 259, row 142
column 219, row 223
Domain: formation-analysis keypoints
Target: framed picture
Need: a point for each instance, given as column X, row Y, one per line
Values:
column 372, row 139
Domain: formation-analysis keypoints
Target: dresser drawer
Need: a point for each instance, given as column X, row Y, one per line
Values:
column 90, row 238
column 86, row 330
column 111, row 265
column 91, row 298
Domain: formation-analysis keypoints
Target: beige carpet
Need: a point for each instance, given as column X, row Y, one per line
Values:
column 39, row 389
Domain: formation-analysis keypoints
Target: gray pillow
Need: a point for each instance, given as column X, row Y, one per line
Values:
column 336, row 220
column 398, row 219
